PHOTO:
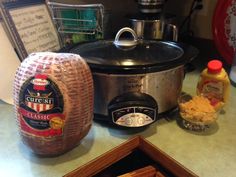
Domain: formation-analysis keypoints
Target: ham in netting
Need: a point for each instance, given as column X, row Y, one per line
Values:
column 53, row 97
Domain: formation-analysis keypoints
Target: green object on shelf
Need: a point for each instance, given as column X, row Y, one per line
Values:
column 69, row 18
column 99, row 36
column 78, row 38
column 90, row 15
column 82, row 19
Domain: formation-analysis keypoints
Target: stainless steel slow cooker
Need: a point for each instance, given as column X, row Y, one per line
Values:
column 135, row 80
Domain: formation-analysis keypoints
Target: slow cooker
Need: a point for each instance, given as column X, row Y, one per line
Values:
column 135, row 80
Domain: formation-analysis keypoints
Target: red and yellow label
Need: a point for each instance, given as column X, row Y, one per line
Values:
column 41, row 107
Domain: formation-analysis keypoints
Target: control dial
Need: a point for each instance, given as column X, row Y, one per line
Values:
column 133, row 109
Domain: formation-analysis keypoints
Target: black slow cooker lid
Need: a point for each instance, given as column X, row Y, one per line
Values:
column 143, row 57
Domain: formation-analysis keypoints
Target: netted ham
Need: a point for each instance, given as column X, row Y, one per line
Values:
column 53, row 98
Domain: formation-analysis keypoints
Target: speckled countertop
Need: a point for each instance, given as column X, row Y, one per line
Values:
column 208, row 154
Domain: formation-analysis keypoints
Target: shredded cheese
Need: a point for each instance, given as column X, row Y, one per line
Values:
column 198, row 109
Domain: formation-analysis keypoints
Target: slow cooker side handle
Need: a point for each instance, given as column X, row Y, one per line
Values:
column 189, row 67
column 190, row 53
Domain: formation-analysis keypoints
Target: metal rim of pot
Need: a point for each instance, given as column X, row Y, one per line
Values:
column 166, row 17
column 133, row 56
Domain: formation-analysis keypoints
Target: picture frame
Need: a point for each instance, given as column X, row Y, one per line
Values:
column 113, row 160
column 29, row 26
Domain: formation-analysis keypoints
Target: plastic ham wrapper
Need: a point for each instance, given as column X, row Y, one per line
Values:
column 53, row 98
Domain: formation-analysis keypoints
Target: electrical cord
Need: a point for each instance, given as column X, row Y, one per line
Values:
column 196, row 5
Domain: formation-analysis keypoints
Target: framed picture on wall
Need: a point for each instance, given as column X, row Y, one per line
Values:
column 29, row 26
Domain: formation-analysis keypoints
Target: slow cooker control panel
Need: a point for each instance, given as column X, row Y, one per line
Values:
column 134, row 116
column 133, row 109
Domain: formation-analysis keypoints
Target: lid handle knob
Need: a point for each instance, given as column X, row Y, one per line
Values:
column 127, row 42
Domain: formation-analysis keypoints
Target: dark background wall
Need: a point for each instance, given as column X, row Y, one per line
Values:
column 117, row 10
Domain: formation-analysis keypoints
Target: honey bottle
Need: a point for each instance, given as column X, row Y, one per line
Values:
column 214, row 84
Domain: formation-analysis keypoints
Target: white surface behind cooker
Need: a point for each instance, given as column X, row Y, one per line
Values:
column 9, row 61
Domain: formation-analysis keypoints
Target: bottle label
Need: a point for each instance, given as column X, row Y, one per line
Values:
column 213, row 90
column 41, row 107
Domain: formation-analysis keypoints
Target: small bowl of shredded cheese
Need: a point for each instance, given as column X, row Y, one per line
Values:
column 196, row 112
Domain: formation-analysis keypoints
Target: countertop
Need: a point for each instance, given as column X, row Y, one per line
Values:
column 211, row 153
